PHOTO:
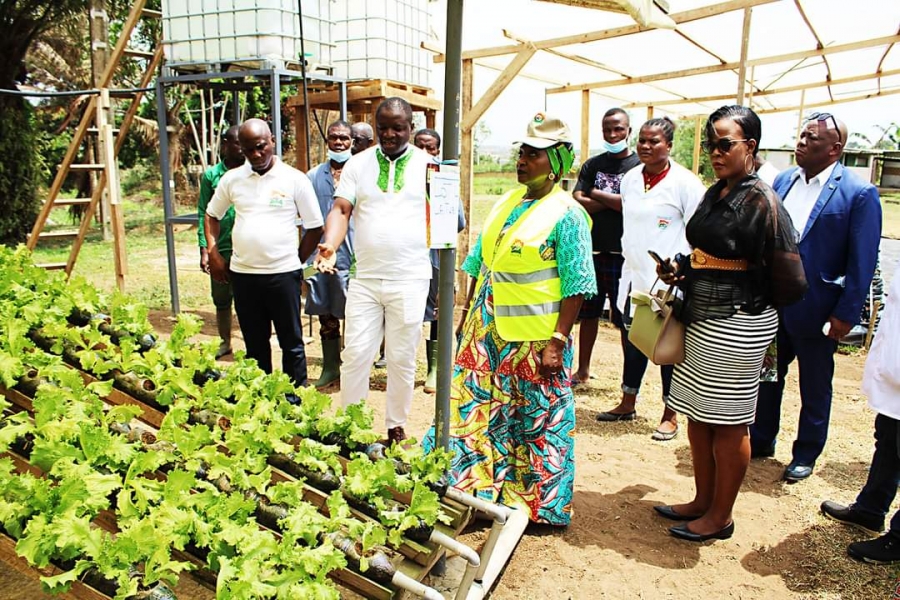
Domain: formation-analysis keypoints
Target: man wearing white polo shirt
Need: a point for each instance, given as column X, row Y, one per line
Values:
column 384, row 189
column 265, row 270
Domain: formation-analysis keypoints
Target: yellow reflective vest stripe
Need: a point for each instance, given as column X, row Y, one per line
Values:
column 523, row 269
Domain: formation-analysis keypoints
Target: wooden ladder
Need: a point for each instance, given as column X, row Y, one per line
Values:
column 95, row 114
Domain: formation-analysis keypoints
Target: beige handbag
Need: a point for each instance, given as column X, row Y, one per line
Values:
column 654, row 329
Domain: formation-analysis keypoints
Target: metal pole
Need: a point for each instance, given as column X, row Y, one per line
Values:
column 276, row 110
column 167, row 185
column 236, row 108
column 305, row 84
column 342, row 94
column 452, row 87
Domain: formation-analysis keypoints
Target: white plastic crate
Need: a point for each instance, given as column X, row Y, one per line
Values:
column 380, row 39
column 249, row 32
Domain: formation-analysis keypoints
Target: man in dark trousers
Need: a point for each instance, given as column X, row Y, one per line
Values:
column 327, row 296
column 598, row 192
column 232, row 157
column 265, row 270
column 838, row 217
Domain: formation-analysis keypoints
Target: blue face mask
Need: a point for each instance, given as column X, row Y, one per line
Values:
column 339, row 157
column 615, row 148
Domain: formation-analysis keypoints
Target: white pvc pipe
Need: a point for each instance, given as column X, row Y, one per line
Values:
column 418, row 588
column 497, row 512
column 456, row 546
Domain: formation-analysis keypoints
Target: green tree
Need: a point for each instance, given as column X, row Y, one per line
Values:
column 683, row 149
column 21, row 21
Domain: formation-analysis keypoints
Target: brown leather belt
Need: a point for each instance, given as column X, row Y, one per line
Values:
column 702, row 260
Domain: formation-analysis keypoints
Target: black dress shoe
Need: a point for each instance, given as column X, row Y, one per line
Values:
column 880, row 551
column 797, row 472
column 608, row 417
column 762, row 451
column 669, row 513
column 848, row 515
column 682, row 531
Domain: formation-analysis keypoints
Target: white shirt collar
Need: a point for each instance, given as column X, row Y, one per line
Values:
column 821, row 178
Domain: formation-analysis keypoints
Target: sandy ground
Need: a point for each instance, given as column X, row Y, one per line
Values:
column 616, row 547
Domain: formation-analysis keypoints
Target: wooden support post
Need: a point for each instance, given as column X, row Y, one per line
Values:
column 430, row 119
column 465, row 173
column 697, row 132
column 585, row 125
column 873, row 318
column 800, row 112
column 752, row 86
column 111, row 181
column 745, row 43
column 649, row 112
column 99, row 30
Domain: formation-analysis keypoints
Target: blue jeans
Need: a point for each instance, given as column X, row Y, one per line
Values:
column 884, row 474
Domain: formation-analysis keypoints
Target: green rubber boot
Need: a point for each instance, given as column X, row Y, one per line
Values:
column 223, row 326
column 331, row 363
column 431, row 377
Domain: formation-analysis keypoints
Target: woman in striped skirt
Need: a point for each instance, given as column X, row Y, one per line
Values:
column 730, row 321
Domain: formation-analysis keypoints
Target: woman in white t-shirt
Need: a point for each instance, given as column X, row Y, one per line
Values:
column 658, row 198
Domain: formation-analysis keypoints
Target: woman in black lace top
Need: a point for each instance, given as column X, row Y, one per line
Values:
column 730, row 321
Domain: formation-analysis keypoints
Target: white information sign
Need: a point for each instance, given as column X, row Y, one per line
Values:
column 444, row 203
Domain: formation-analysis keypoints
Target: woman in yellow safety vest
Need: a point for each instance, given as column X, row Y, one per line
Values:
column 512, row 416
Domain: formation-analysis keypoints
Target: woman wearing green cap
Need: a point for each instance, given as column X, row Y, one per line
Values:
column 512, row 416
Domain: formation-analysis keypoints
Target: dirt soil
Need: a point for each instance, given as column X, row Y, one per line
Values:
column 616, row 546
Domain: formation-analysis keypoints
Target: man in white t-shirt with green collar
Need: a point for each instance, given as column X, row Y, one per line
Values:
column 384, row 189
column 265, row 269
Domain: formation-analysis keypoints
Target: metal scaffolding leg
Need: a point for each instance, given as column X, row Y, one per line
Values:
column 168, row 186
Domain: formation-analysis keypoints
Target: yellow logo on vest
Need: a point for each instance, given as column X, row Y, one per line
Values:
column 548, row 251
column 516, row 247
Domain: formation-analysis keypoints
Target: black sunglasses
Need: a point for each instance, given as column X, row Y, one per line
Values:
column 818, row 117
column 723, row 145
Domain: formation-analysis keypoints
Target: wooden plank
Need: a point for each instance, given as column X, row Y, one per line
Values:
column 79, row 591
column 465, row 176
column 585, row 125
column 697, row 132
column 745, row 46
column 470, row 118
column 606, row 34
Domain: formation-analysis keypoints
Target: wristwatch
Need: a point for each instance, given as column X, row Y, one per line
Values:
column 558, row 336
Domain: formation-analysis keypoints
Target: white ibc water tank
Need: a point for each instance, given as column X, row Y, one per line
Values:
column 380, row 39
column 252, row 33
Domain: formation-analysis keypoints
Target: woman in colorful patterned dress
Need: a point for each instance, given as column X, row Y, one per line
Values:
column 512, row 416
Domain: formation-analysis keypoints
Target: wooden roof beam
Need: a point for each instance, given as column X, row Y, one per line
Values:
column 581, row 60
column 767, row 92
column 526, row 51
column 605, row 34
column 819, row 43
column 769, row 60
column 883, row 57
column 830, row 103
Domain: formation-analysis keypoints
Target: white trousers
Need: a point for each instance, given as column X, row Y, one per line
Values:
column 389, row 308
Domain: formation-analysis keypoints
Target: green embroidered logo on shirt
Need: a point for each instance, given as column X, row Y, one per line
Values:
column 384, row 170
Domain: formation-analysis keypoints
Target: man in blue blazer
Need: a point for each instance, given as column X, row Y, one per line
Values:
column 838, row 216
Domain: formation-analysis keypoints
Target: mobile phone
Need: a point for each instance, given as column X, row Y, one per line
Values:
column 667, row 267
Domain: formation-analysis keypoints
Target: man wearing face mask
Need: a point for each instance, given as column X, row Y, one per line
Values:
column 597, row 191
column 328, row 291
